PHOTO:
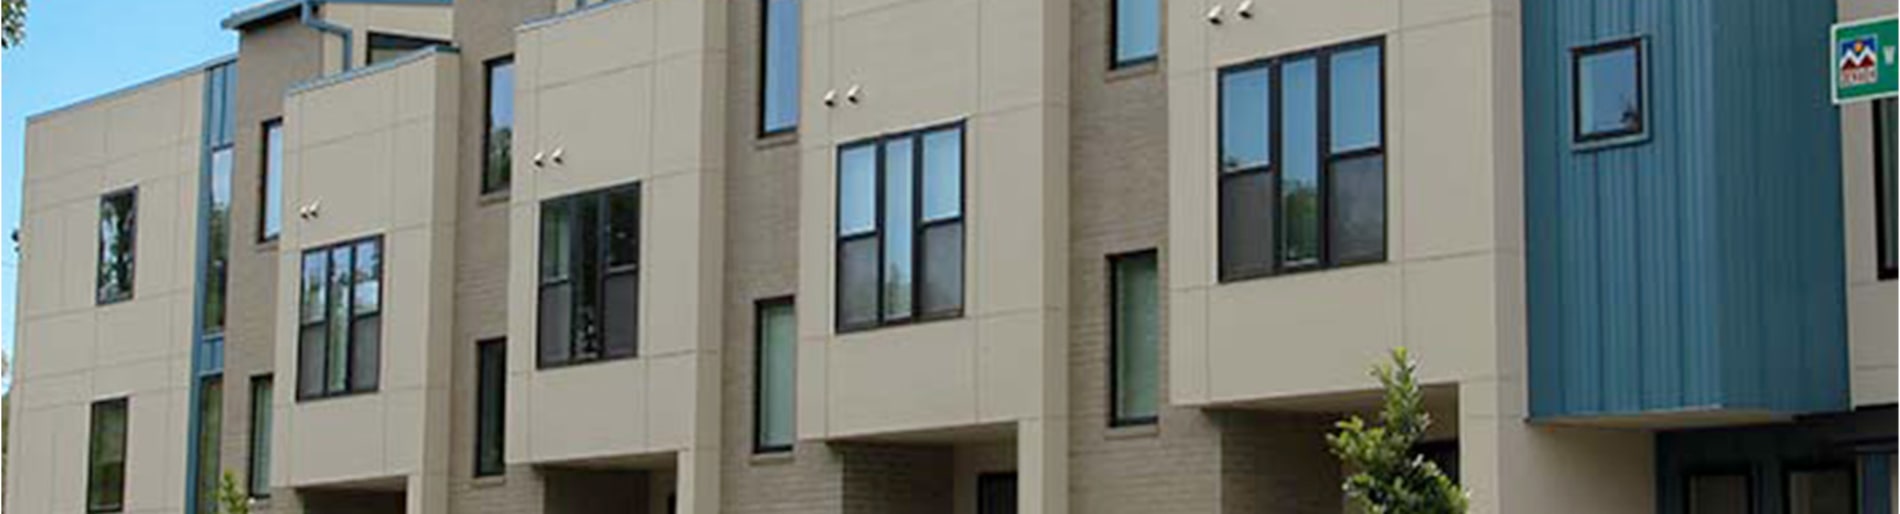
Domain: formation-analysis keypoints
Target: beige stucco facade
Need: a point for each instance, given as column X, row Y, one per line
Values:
column 362, row 19
column 74, row 351
column 372, row 154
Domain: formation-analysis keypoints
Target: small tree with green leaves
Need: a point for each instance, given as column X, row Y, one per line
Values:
column 12, row 23
column 1388, row 478
column 232, row 500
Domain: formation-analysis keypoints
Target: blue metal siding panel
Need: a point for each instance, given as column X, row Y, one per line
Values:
column 1699, row 268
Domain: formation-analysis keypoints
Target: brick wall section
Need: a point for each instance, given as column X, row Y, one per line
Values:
column 1118, row 204
column 484, row 29
column 1277, row 463
column 894, row 479
column 273, row 58
column 761, row 262
column 591, row 492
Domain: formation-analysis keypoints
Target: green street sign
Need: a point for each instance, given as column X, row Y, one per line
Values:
column 1863, row 60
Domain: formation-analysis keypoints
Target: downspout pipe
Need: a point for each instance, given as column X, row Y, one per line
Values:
column 310, row 19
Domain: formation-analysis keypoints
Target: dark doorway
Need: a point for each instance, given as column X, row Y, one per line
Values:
column 996, row 493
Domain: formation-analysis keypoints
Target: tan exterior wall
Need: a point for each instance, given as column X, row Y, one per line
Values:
column 71, row 352
column 1871, row 302
column 375, row 154
column 425, row 21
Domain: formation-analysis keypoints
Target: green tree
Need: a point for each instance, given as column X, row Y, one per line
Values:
column 232, row 500
column 13, row 17
column 1388, row 477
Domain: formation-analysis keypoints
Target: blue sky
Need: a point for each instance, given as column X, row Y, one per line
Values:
column 77, row 49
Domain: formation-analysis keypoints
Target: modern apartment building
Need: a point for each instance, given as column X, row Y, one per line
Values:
column 963, row 256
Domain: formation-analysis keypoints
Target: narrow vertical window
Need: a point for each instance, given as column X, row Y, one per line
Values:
column 1302, row 162
column 589, row 277
column 1137, row 31
column 775, row 382
column 1607, row 91
column 498, row 138
column 779, row 93
column 217, row 240
column 1136, row 338
column 900, row 229
column 118, row 242
column 996, row 493
column 270, row 216
column 1885, row 159
column 105, row 468
column 491, row 367
column 339, row 342
column 258, row 482
column 210, row 428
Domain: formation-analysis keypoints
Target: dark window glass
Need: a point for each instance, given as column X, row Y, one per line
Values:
column 996, row 493
column 780, row 91
column 589, row 278
column 1886, row 134
column 1719, row 494
column 105, row 468
column 210, row 428
column 258, row 483
column 217, row 268
column 339, row 346
column 1137, row 31
column 1609, row 90
column 776, row 383
column 1321, row 203
column 498, row 138
column 271, row 215
column 1136, row 338
column 118, row 245
column 1245, row 114
column 491, row 392
column 384, row 47
column 900, row 228
column 1821, row 491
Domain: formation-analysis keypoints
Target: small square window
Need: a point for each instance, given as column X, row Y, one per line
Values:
column 1608, row 102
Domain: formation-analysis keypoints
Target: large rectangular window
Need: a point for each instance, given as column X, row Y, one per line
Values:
column 498, row 139
column 258, row 482
column 118, row 245
column 1136, row 338
column 340, row 320
column 1884, row 180
column 218, row 241
column 1136, row 32
column 775, row 382
column 900, row 229
column 589, row 277
column 210, row 428
column 105, row 464
column 491, row 393
column 779, row 92
column 270, row 214
column 1302, row 162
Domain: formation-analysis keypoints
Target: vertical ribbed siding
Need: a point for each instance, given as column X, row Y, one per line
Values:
column 1700, row 268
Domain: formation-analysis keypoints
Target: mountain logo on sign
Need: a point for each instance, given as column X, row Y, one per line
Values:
column 1860, row 61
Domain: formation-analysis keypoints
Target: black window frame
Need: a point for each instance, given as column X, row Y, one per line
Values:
column 124, row 408
column 130, row 282
column 1325, row 160
column 216, row 302
column 350, row 387
column 765, row 130
column 262, row 403
column 485, row 434
column 1116, row 418
column 1115, row 60
column 1581, row 137
column 918, row 227
column 264, row 232
column 504, row 182
column 759, row 444
column 407, row 43
column 606, row 272
column 1885, row 264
